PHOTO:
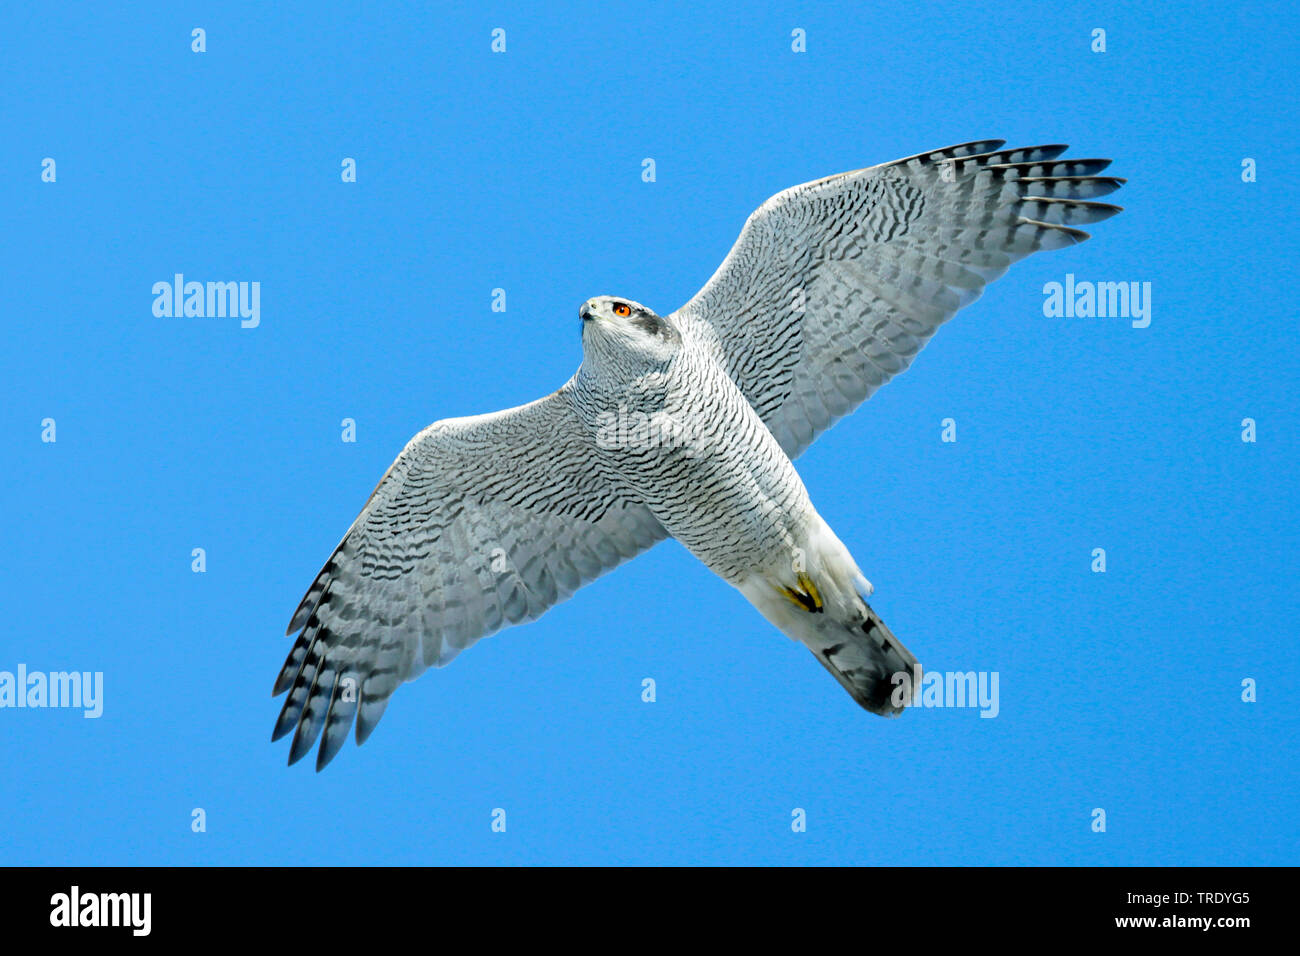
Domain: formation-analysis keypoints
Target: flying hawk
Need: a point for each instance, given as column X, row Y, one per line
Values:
column 683, row 425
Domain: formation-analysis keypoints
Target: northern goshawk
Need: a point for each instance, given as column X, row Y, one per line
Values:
column 683, row 425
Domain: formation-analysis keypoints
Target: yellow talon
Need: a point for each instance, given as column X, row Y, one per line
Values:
column 793, row 597
column 807, row 584
column 809, row 599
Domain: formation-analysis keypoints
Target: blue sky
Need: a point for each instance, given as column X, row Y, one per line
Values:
column 522, row 171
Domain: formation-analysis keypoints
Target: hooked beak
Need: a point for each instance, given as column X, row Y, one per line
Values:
column 586, row 313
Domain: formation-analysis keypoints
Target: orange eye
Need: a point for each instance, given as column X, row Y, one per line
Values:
column 622, row 309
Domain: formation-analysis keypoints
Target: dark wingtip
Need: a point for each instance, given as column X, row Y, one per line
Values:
column 323, row 757
column 1104, row 209
column 297, row 752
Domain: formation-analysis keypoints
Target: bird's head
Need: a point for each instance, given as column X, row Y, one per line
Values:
column 614, row 325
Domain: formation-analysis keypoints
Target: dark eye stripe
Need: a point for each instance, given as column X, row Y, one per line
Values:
column 654, row 325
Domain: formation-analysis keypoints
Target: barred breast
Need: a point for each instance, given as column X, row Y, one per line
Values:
column 683, row 440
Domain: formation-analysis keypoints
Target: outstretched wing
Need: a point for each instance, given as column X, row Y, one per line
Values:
column 480, row 523
column 835, row 285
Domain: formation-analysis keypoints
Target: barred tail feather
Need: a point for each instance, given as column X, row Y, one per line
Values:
column 866, row 659
column 825, row 608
